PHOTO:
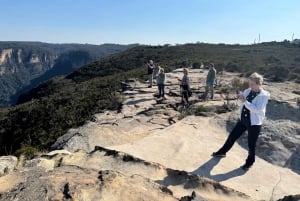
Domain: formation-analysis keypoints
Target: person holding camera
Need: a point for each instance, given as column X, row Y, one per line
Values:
column 252, row 113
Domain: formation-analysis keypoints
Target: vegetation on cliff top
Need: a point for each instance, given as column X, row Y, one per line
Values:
column 48, row 111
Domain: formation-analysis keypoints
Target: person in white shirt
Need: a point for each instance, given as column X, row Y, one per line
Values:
column 252, row 113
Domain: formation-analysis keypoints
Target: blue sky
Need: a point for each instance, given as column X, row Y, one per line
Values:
column 149, row 22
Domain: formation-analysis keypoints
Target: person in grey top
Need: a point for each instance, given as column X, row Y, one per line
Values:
column 210, row 81
column 160, row 80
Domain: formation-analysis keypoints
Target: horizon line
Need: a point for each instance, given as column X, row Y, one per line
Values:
column 144, row 44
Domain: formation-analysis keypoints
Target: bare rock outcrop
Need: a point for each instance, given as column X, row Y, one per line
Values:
column 105, row 174
column 7, row 164
column 149, row 150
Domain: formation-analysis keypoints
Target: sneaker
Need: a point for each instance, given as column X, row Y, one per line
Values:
column 220, row 155
column 246, row 167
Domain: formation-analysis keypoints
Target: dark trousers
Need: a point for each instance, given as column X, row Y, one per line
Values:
column 185, row 94
column 238, row 130
column 150, row 77
column 161, row 90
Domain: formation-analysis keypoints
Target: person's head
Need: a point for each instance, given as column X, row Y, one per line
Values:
column 211, row 65
column 150, row 61
column 185, row 71
column 161, row 70
column 255, row 81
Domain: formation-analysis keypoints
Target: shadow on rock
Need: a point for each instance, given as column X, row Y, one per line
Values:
column 277, row 110
column 134, row 102
column 207, row 167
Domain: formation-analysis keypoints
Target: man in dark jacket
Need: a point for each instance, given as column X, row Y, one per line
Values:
column 151, row 68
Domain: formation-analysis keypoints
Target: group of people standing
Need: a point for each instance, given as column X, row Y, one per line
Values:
column 185, row 81
column 160, row 78
column 253, row 101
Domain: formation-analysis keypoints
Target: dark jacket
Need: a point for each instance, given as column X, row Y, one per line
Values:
column 151, row 69
column 160, row 79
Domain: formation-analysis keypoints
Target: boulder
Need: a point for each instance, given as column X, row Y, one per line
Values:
column 7, row 164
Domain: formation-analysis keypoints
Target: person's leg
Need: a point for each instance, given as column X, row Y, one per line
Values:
column 237, row 131
column 163, row 90
column 159, row 90
column 150, row 79
column 212, row 92
column 184, row 97
column 187, row 96
column 206, row 92
column 253, row 133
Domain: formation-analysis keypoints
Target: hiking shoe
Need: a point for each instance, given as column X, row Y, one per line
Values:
column 220, row 155
column 246, row 167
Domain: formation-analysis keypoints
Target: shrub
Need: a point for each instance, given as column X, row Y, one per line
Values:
column 202, row 109
column 28, row 152
column 278, row 73
column 239, row 84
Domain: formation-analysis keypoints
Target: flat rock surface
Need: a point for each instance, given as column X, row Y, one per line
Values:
column 153, row 149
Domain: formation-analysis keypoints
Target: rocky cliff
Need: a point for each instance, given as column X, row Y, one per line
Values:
column 153, row 150
column 24, row 65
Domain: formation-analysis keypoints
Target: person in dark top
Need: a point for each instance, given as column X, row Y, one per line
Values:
column 185, row 86
column 252, row 113
column 151, row 68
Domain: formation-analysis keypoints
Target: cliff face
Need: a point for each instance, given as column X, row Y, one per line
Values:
column 13, row 61
column 24, row 66
column 18, row 66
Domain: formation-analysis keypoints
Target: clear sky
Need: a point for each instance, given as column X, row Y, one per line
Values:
column 149, row 22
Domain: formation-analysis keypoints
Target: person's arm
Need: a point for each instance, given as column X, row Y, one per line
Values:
column 259, row 106
column 208, row 77
column 214, row 75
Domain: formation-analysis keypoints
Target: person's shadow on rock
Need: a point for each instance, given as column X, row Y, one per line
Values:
column 207, row 167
